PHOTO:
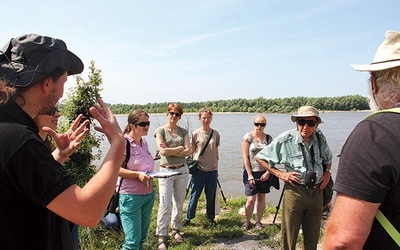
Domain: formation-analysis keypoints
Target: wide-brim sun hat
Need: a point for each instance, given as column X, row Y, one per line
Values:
column 27, row 59
column 387, row 56
column 306, row 111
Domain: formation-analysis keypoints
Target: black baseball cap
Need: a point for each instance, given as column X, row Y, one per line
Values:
column 29, row 58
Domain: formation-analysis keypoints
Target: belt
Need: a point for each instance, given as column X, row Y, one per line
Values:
column 172, row 167
column 305, row 186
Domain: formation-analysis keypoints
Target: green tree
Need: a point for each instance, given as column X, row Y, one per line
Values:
column 81, row 163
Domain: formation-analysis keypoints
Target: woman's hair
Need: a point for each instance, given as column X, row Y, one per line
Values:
column 263, row 117
column 205, row 110
column 6, row 92
column 176, row 106
column 49, row 143
column 388, row 83
column 134, row 117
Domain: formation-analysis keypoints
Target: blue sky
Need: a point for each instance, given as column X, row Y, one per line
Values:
column 186, row 51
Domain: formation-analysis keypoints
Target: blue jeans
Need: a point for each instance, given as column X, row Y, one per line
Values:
column 135, row 214
column 208, row 181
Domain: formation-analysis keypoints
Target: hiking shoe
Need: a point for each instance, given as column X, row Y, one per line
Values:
column 185, row 223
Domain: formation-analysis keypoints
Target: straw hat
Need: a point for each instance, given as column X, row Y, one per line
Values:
column 387, row 56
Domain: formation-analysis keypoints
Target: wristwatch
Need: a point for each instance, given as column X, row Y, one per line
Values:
column 328, row 170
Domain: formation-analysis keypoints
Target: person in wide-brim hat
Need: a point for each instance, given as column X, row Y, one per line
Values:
column 306, row 111
column 27, row 59
column 367, row 181
column 387, row 56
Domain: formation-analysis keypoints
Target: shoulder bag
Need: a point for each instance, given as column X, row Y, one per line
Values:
column 328, row 190
column 192, row 163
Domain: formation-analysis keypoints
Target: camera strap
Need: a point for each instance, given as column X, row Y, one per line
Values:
column 305, row 156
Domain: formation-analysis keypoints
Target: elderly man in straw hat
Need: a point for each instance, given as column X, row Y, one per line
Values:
column 38, row 195
column 307, row 158
column 368, row 178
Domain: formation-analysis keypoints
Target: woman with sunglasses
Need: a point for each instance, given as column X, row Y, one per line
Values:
column 173, row 143
column 254, row 175
column 136, row 193
column 51, row 121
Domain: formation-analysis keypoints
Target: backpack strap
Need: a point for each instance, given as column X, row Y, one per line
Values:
column 390, row 229
column 392, row 110
column 127, row 156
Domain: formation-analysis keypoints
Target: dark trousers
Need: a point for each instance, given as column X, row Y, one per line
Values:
column 208, row 181
column 301, row 207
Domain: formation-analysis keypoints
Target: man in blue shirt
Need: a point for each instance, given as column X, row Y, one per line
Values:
column 307, row 159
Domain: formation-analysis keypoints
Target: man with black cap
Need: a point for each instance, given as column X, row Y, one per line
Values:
column 307, row 158
column 366, row 212
column 38, row 195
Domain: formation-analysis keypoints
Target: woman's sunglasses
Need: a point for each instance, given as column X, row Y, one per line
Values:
column 54, row 111
column 259, row 124
column 174, row 114
column 142, row 124
column 310, row 123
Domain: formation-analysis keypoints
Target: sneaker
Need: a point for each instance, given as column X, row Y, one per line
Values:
column 185, row 223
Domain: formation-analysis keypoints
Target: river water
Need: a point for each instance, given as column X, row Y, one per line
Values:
column 232, row 126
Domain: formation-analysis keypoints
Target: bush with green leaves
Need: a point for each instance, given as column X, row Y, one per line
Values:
column 80, row 98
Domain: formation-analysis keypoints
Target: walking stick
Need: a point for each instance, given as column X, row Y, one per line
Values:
column 279, row 204
column 222, row 193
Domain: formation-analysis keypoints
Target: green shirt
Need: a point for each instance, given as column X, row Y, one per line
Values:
column 172, row 141
column 287, row 149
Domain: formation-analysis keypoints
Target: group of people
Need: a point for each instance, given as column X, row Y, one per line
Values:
column 42, row 204
column 174, row 145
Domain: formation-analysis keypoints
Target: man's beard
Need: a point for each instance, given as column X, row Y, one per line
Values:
column 373, row 105
column 49, row 104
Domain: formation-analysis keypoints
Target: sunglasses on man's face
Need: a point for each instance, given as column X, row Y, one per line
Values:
column 310, row 123
column 142, row 124
column 259, row 124
column 174, row 114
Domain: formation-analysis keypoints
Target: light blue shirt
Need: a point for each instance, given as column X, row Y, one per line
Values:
column 286, row 149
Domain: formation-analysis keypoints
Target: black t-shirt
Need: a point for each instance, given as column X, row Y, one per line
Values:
column 369, row 169
column 30, row 179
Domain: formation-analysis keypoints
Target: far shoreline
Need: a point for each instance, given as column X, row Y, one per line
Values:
column 230, row 113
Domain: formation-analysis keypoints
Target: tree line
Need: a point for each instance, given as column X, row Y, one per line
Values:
column 257, row 105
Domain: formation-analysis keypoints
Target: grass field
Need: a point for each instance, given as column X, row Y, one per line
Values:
column 200, row 234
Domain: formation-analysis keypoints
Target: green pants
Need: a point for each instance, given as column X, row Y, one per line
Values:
column 135, row 212
column 301, row 207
